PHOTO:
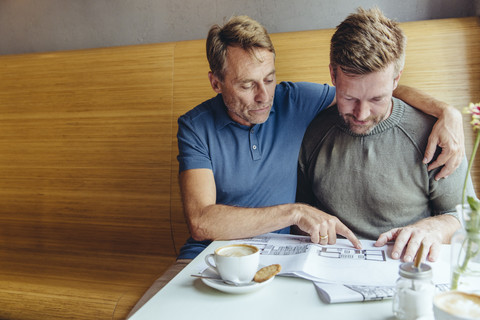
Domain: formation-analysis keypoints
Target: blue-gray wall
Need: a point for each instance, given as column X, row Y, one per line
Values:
column 50, row 25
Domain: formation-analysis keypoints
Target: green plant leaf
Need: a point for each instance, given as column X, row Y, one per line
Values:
column 474, row 204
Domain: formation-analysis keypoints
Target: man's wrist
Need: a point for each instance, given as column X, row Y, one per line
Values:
column 451, row 112
column 294, row 212
column 440, row 109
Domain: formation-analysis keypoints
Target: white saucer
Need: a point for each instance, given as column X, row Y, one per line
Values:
column 228, row 288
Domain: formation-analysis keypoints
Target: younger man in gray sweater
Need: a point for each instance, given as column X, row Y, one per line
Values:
column 361, row 161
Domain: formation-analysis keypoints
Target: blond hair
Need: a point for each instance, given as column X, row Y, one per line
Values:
column 239, row 31
column 367, row 42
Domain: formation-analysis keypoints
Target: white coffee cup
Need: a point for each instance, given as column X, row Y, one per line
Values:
column 456, row 305
column 236, row 263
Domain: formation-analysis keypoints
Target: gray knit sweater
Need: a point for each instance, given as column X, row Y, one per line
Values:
column 377, row 181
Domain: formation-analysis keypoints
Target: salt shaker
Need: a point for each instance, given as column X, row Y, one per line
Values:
column 414, row 292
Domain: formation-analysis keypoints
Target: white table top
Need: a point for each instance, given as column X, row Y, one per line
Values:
column 185, row 297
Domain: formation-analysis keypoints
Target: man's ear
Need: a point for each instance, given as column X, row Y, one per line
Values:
column 397, row 79
column 332, row 74
column 214, row 82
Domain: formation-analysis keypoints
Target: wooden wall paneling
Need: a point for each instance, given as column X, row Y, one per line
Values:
column 190, row 88
column 432, row 62
column 85, row 149
column 66, row 286
column 303, row 56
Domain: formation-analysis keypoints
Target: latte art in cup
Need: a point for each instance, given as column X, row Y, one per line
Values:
column 237, row 250
column 456, row 305
column 236, row 263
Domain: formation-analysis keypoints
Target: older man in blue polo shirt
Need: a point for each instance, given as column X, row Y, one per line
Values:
column 239, row 150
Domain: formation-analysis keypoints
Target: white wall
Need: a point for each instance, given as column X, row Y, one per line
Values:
column 50, row 25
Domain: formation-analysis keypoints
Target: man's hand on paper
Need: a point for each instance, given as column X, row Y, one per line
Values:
column 410, row 238
column 431, row 232
column 322, row 227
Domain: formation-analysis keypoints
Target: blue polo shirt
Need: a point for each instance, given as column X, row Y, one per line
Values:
column 252, row 166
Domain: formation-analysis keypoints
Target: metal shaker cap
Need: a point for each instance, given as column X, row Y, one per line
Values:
column 409, row 271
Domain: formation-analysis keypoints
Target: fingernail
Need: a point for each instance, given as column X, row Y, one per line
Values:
column 395, row 255
column 425, row 160
column 408, row 259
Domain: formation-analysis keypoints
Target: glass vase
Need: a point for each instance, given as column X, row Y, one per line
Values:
column 466, row 252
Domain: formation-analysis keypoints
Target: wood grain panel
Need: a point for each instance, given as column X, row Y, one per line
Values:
column 303, row 56
column 443, row 60
column 85, row 143
column 190, row 88
column 79, row 286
